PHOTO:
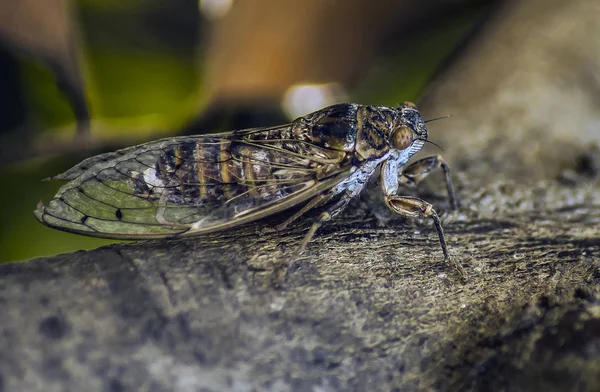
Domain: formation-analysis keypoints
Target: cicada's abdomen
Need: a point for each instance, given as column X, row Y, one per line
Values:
column 236, row 175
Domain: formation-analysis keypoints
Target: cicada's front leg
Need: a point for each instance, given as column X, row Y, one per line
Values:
column 417, row 172
column 413, row 207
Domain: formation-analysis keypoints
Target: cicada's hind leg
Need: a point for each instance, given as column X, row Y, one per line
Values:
column 313, row 203
column 282, row 269
column 416, row 172
column 325, row 216
column 416, row 208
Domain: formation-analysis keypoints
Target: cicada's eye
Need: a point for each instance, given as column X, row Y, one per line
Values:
column 402, row 137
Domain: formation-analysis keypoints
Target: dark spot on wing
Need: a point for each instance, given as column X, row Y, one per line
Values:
column 53, row 327
column 119, row 214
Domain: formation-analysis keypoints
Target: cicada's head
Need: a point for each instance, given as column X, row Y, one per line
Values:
column 410, row 131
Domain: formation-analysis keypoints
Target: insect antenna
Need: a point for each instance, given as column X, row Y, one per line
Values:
column 429, row 141
column 438, row 118
column 435, row 119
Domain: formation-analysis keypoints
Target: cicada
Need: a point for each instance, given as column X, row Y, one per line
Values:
column 191, row 185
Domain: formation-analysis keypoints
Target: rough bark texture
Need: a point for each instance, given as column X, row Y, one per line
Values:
column 371, row 306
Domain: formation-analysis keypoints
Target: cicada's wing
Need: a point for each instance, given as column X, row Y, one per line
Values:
column 191, row 185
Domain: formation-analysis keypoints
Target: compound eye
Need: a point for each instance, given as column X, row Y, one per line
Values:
column 402, row 138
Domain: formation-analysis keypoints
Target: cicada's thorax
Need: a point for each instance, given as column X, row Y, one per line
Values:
column 362, row 131
column 376, row 124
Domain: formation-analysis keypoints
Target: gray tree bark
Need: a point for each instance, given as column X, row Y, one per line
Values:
column 372, row 306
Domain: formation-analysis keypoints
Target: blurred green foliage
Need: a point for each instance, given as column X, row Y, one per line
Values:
column 150, row 87
column 43, row 98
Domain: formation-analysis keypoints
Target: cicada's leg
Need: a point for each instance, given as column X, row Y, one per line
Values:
column 313, row 203
column 416, row 208
column 416, row 172
column 282, row 269
column 325, row 216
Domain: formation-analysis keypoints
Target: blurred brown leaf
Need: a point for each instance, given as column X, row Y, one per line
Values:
column 262, row 47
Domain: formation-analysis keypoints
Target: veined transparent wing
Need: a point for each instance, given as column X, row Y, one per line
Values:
column 191, row 185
